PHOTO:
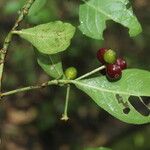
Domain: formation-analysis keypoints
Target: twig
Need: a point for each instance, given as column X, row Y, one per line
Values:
column 90, row 73
column 45, row 84
column 52, row 82
column 8, row 38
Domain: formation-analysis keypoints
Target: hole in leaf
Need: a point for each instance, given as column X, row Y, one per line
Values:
column 126, row 104
column 146, row 100
column 119, row 98
column 128, row 5
column 126, row 110
column 136, row 102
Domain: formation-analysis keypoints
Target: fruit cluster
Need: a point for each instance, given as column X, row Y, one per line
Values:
column 114, row 65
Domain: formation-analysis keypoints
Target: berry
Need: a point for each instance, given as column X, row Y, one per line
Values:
column 100, row 55
column 122, row 63
column 110, row 56
column 113, row 72
column 71, row 73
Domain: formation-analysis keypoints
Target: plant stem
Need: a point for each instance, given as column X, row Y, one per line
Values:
column 8, row 38
column 90, row 73
column 65, row 114
column 52, row 82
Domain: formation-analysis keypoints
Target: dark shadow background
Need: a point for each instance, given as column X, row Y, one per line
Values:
column 31, row 120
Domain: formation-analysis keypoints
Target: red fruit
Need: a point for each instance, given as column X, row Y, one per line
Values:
column 100, row 55
column 122, row 63
column 113, row 72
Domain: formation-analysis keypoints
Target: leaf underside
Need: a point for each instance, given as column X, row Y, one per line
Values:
column 94, row 14
column 36, row 7
column 114, row 96
column 51, row 64
column 49, row 38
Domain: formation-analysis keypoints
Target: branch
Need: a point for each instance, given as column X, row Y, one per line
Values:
column 8, row 38
column 52, row 82
column 28, row 88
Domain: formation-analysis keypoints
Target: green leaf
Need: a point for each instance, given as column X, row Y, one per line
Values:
column 94, row 14
column 36, row 7
column 11, row 7
column 42, row 16
column 114, row 96
column 51, row 64
column 100, row 148
column 49, row 38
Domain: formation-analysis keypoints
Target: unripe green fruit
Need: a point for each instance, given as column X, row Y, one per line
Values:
column 71, row 73
column 110, row 56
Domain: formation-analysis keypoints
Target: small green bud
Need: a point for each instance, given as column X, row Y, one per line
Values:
column 71, row 73
column 110, row 56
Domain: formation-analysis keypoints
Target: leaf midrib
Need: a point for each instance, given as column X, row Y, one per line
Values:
column 102, row 89
column 43, row 36
column 101, row 11
column 54, row 66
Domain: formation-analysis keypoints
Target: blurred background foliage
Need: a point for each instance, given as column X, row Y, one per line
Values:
column 31, row 121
